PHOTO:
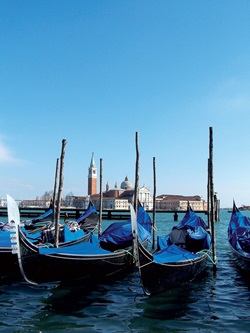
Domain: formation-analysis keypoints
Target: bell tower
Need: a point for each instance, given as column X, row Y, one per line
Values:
column 92, row 177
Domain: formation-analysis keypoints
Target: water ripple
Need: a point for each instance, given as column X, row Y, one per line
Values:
column 217, row 302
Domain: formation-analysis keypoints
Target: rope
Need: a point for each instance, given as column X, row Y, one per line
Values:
column 126, row 251
column 206, row 252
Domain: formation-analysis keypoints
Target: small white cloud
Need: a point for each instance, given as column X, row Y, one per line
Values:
column 6, row 155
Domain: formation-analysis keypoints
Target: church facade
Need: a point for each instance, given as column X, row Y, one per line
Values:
column 120, row 197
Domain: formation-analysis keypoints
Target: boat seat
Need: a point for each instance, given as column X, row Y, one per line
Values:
column 48, row 236
column 178, row 237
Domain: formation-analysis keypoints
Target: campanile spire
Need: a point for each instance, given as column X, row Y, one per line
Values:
column 92, row 177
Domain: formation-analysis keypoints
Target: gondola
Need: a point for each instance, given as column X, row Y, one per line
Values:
column 41, row 231
column 9, row 265
column 239, row 238
column 179, row 257
column 85, row 261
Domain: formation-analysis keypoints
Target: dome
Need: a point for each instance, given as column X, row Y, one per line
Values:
column 126, row 184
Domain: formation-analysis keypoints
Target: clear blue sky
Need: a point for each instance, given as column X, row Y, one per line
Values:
column 96, row 72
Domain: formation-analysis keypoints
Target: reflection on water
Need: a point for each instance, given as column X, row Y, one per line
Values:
column 217, row 302
column 170, row 304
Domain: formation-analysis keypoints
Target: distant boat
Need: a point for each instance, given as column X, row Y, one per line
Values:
column 179, row 258
column 239, row 238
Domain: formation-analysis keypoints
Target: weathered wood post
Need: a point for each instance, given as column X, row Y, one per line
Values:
column 212, row 217
column 54, row 193
column 217, row 207
column 154, row 201
column 136, row 174
column 101, row 201
column 134, row 213
column 59, row 197
column 208, row 194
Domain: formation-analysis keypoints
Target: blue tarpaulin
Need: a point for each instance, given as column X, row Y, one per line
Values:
column 191, row 220
column 120, row 233
column 239, row 232
column 43, row 217
column 189, row 236
column 81, row 249
column 91, row 209
column 173, row 253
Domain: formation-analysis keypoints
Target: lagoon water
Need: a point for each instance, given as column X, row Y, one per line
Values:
column 218, row 302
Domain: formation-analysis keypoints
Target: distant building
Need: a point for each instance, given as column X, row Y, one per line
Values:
column 180, row 202
column 34, row 203
column 145, row 198
column 81, row 202
column 120, row 198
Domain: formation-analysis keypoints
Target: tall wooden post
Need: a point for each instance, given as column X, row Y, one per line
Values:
column 217, row 205
column 208, row 194
column 101, row 201
column 54, row 193
column 212, row 214
column 59, row 197
column 136, row 174
column 154, row 201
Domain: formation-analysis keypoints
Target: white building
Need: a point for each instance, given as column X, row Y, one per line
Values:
column 145, row 198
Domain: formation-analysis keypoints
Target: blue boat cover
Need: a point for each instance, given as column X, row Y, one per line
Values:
column 120, row 233
column 72, row 235
column 33, row 237
column 5, row 239
column 38, row 236
column 239, row 232
column 81, row 249
column 190, row 235
column 191, row 220
column 91, row 209
column 46, row 215
column 200, row 234
column 173, row 254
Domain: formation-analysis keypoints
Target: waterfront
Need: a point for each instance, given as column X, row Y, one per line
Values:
column 218, row 302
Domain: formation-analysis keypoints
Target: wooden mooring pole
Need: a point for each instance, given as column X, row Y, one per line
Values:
column 54, row 193
column 154, row 201
column 136, row 174
column 211, row 187
column 208, row 194
column 133, row 213
column 101, row 201
column 59, row 197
